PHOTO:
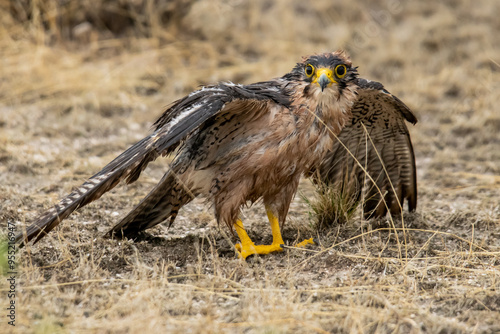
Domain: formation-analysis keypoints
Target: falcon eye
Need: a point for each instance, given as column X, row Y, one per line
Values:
column 340, row 71
column 309, row 70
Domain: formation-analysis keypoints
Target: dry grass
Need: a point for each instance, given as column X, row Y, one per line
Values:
column 80, row 81
column 331, row 205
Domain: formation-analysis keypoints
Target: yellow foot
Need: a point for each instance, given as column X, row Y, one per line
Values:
column 305, row 243
column 250, row 248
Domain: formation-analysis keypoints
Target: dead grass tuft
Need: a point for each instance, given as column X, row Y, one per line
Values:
column 332, row 205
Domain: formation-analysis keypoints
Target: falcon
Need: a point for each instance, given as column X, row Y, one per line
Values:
column 234, row 144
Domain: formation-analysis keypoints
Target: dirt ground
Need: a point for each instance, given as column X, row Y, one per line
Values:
column 81, row 81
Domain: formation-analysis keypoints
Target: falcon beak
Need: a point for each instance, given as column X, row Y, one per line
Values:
column 324, row 78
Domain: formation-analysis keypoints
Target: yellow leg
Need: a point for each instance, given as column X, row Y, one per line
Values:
column 247, row 246
column 275, row 227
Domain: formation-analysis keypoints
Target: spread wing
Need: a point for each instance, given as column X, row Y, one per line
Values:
column 182, row 119
column 377, row 137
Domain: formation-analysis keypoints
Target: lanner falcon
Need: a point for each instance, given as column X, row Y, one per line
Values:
column 236, row 144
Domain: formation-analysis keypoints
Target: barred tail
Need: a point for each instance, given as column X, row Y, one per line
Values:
column 162, row 202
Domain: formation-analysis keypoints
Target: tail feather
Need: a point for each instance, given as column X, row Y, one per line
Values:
column 162, row 202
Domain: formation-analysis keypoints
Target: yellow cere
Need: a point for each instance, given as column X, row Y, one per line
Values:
column 326, row 71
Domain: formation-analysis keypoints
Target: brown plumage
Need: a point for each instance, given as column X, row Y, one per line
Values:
column 233, row 144
column 377, row 139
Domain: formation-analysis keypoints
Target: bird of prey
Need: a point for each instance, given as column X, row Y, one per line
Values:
column 235, row 144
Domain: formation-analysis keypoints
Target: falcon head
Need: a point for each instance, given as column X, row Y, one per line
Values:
column 329, row 73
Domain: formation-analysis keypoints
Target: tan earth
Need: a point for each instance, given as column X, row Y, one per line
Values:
column 80, row 81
